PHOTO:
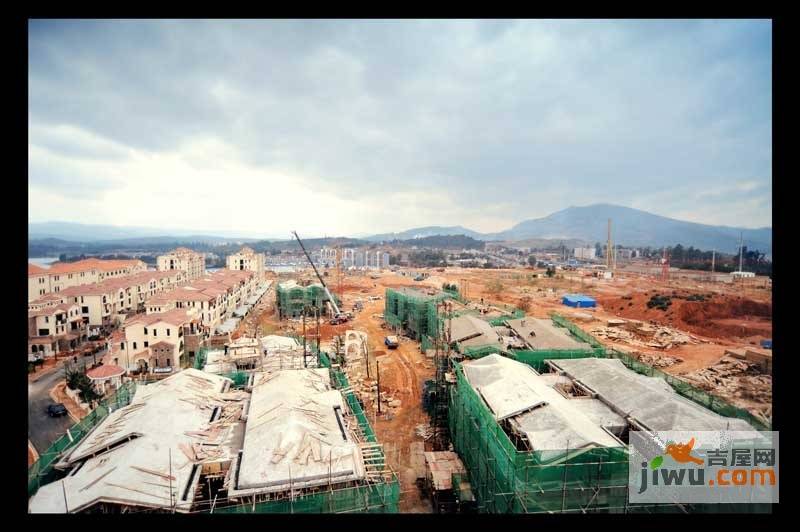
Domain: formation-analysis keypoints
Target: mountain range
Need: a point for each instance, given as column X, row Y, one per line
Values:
column 630, row 227
column 588, row 224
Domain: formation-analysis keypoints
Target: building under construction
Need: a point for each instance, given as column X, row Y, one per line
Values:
column 291, row 299
column 413, row 312
column 287, row 441
column 556, row 440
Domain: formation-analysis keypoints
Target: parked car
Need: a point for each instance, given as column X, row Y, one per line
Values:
column 391, row 342
column 56, row 410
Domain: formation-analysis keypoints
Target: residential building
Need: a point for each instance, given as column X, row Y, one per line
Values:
column 54, row 329
column 185, row 259
column 587, row 253
column 247, row 260
column 101, row 302
column 63, row 275
column 153, row 343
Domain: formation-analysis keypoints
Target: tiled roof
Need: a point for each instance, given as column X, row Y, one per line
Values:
column 176, row 316
column 93, row 264
column 110, row 286
column 33, row 269
column 105, row 371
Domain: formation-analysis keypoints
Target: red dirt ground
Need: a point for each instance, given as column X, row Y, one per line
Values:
column 722, row 316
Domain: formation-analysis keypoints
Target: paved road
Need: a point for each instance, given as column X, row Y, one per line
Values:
column 43, row 430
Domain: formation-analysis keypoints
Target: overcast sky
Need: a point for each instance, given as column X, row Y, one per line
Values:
column 354, row 127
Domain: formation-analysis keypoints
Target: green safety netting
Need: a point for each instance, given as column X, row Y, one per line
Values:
column 42, row 471
column 509, row 480
column 291, row 300
column 413, row 312
column 505, row 479
column 381, row 497
column 713, row 403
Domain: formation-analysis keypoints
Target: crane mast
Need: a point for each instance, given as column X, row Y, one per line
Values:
column 328, row 292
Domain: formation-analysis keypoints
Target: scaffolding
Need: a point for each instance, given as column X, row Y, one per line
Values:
column 355, row 497
column 508, row 477
column 292, row 299
column 414, row 313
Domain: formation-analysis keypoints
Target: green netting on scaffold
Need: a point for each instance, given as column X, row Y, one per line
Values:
column 413, row 312
column 42, row 472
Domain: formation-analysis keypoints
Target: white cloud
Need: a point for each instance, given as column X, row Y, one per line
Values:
column 386, row 125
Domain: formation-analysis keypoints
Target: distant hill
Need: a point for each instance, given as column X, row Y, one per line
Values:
column 422, row 232
column 546, row 243
column 630, row 227
column 76, row 232
column 441, row 242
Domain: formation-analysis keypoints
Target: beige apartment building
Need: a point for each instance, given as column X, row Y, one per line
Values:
column 100, row 302
column 153, row 343
column 191, row 262
column 215, row 296
column 62, row 275
column 247, row 260
column 54, row 328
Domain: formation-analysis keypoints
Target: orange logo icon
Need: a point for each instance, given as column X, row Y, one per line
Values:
column 680, row 452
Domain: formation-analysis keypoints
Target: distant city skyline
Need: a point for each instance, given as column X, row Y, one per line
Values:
column 362, row 127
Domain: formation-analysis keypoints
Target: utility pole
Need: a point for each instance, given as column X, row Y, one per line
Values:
column 366, row 354
column 713, row 259
column 304, row 337
column 378, row 372
column 741, row 250
column 317, row 312
column 608, row 247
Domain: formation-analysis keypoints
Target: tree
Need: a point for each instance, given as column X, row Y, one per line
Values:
column 551, row 271
column 532, row 260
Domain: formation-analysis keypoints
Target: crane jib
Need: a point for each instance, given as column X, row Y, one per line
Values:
column 328, row 292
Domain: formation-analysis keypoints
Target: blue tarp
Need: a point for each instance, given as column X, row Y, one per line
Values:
column 766, row 344
column 578, row 300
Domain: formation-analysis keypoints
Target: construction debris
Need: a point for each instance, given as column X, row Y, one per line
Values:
column 658, row 361
column 645, row 335
column 737, row 379
column 424, row 431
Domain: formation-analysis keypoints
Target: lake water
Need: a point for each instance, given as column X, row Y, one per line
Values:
column 278, row 268
column 44, row 262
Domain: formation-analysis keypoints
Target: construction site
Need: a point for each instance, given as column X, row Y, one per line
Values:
column 489, row 391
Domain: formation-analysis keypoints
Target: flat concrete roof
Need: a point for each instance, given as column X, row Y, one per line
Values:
column 471, row 331
column 551, row 422
column 296, row 435
column 545, row 334
column 649, row 400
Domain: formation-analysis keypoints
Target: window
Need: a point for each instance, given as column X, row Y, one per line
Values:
column 122, row 345
column 145, row 330
column 146, row 343
column 167, row 332
column 46, row 319
column 134, row 345
column 85, row 310
column 155, row 332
